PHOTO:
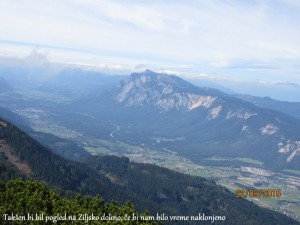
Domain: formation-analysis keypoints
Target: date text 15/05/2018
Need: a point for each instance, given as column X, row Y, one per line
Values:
column 258, row 193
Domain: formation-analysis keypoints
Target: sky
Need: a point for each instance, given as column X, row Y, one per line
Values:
column 218, row 39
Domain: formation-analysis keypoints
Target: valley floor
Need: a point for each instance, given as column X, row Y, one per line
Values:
column 233, row 178
column 248, row 177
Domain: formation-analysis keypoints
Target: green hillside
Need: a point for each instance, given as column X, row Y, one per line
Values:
column 32, row 202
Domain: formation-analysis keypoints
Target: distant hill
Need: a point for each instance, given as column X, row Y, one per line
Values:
column 63, row 147
column 79, row 79
column 13, row 118
column 147, row 186
column 210, row 84
column 289, row 108
column 60, row 146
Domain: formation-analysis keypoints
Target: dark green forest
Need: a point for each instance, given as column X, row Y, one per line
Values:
column 147, row 187
column 32, row 202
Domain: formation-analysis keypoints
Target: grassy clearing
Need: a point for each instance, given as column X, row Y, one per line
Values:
column 36, row 95
column 296, row 172
column 248, row 160
column 295, row 210
column 98, row 151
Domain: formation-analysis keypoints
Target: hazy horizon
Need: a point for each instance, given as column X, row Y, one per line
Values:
column 227, row 42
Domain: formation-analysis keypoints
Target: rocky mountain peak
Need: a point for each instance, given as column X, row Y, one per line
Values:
column 161, row 91
column 160, row 79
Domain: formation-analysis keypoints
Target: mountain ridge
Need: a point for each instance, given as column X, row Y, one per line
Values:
column 168, row 91
column 289, row 108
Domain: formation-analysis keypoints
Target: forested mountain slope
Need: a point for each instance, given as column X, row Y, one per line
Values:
column 148, row 187
column 34, row 203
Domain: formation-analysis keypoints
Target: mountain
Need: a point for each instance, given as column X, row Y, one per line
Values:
column 24, row 72
column 283, row 91
column 210, row 84
column 289, row 108
column 60, row 146
column 147, row 186
column 160, row 91
column 166, row 112
column 76, row 77
column 79, row 80
column 12, row 117
column 63, row 147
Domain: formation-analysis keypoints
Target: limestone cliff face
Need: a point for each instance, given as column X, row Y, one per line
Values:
column 161, row 91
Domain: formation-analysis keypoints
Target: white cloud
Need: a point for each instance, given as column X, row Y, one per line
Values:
column 292, row 3
column 218, row 34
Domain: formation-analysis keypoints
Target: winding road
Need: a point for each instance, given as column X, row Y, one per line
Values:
column 116, row 130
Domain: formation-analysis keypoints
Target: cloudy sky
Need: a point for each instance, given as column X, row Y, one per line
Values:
column 230, row 39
